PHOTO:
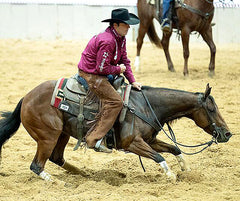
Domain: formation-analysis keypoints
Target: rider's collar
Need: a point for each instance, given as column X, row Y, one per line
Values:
column 118, row 36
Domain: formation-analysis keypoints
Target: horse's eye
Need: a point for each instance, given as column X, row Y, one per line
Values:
column 210, row 107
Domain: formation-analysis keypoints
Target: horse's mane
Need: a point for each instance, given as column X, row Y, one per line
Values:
column 148, row 88
column 173, row 121
column 159, row 89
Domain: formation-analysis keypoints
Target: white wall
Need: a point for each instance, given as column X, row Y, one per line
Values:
column 227, row 29
column 34, row 21
column 81, row 22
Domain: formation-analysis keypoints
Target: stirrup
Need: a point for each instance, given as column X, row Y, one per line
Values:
column 166, row 25
column 101, row 148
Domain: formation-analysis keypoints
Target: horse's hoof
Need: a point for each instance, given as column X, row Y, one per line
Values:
column 45, row 176
column 182, row 163
column 71, row 168
column 186, row 169
column 171, row 69
column 59, row 183
column 171, row 177
column 211, row 73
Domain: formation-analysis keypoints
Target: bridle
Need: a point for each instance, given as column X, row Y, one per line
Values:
column 212, row 125
column 172, row 135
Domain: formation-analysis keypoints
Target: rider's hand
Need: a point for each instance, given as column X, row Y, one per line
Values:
column 123, row 68
column 137, row 85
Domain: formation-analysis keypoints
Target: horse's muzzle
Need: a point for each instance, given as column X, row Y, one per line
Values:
column 221, row 134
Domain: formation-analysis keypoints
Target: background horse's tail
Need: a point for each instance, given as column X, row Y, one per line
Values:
column 9, row 124
column 152, row 34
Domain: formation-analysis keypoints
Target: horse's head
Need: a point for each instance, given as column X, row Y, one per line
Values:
column 208, row 117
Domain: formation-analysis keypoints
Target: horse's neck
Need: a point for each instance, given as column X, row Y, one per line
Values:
column 173, row 104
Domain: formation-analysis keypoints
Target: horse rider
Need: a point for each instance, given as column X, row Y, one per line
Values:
column 166, row 18
column 104, row 55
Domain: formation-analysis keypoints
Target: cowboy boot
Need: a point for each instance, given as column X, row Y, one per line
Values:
column 166, row 25
column 100, row 147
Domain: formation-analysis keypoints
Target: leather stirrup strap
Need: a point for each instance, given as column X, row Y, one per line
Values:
column 80, row 119
column 126, row 95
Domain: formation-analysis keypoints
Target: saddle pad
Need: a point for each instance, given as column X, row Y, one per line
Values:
column 58, row 92
column 66, row 89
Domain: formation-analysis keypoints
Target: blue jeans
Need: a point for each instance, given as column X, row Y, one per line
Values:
column 166, row 6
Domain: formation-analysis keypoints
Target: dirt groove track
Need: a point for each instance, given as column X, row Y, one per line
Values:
column 215, row 173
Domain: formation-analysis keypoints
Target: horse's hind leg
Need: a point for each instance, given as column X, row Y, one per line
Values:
column 165, row 44
column 160, row 146
column 185, row 32
column 58, row 152
column 141, row 148
column 44, row 151
column 207, row 37
column 46, row 140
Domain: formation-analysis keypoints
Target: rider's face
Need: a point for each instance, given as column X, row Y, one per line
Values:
column 121, row 29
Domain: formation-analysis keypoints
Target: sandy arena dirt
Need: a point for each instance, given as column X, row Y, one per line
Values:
column 215, row 173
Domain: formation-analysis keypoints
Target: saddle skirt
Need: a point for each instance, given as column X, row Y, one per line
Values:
column 75, row 100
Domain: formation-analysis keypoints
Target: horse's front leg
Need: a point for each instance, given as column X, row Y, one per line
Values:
column 160, row 146
column 185, row 32
column 207, row 37
column 141, row 148
column 142, row 30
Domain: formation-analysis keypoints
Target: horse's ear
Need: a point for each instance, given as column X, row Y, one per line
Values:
column 207, row 92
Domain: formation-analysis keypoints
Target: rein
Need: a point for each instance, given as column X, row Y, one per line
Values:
column 173, row 138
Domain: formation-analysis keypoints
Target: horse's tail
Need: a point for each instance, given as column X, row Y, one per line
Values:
column 9, row 124
column 152, row 34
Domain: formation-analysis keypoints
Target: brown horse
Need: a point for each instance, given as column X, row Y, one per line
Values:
column 192, row 15
column 51, row 128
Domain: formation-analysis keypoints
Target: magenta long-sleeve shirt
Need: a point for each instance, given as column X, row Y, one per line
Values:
column 104, row 53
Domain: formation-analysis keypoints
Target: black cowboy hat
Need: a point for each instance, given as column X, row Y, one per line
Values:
column 122, row 15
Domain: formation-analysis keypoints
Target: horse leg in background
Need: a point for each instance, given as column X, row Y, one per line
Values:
column 185, row 32
column 165, row 44
column 141, row 148
column 57, row 155
column 160, row 146
column 142, row 30
column 207, row 37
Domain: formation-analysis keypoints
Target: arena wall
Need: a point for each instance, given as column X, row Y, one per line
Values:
column 80, row 22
